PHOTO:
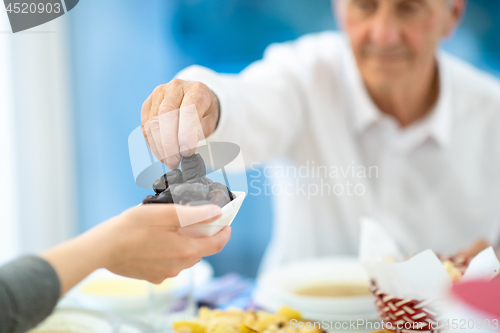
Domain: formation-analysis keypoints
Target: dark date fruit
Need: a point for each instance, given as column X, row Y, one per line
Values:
column 218, row 197
column 165, row 197
column 190, row 186
column 174, row 177
column 160, row 184
column 202, row 180
column 171, row 177
column 220, row 186
column 193, row 167
column 149, row 199
column 189, row 192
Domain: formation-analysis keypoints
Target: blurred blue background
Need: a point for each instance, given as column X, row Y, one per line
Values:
column 121, row 50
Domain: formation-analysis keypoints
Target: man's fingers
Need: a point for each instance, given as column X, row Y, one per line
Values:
column 168, row 115
column 146, row 127
column 146, row 106
column 189, row 124
column 153, row 123
column 169, row 127
column 196, row 102
column 173, row 126
column 157, row 98
column 151, row 127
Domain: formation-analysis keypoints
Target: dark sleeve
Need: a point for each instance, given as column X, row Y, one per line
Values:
column 29, row 291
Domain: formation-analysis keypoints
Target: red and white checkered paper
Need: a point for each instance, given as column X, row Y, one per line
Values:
column 421, row 316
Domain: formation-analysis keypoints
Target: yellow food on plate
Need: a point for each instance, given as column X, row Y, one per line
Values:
column 240, row 321
column 289, row 313
column 188, row 327
column 122, row 287
column 335, row 290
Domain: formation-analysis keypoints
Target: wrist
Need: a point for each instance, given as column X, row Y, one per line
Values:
column 76, row 258
column 102, row 244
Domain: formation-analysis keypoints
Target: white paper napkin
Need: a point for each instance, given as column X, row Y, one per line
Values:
column 421, row 277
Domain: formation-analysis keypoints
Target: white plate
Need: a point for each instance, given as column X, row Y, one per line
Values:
column 277, row 288
column 229, row 212
column 202, row 272
column 76, row 320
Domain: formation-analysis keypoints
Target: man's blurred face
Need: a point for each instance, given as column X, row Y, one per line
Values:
column 394, row 39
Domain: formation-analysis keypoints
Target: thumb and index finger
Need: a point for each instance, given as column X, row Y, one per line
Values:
column 175, row 216
column 195, row 104
column 171, row 120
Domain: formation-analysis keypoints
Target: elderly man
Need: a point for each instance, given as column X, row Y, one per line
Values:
column 374, row 122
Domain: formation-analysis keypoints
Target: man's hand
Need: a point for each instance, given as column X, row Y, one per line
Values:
column 476, row 248
column 171, row 118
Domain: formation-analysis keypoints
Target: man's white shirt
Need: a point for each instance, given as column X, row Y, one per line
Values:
column 304, row 110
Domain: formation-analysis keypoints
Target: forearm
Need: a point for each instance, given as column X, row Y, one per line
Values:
column 77, row 258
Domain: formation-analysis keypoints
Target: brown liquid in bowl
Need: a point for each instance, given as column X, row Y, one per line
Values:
column 335, row 290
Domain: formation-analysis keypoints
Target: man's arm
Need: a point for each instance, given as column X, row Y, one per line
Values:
column 260, row 109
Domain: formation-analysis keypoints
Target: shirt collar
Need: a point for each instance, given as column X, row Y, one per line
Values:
column 365, row 112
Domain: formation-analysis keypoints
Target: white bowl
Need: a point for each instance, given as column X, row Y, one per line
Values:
column 278, row 287
column 88, row 321
column 229, row 212
column 136, row 298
